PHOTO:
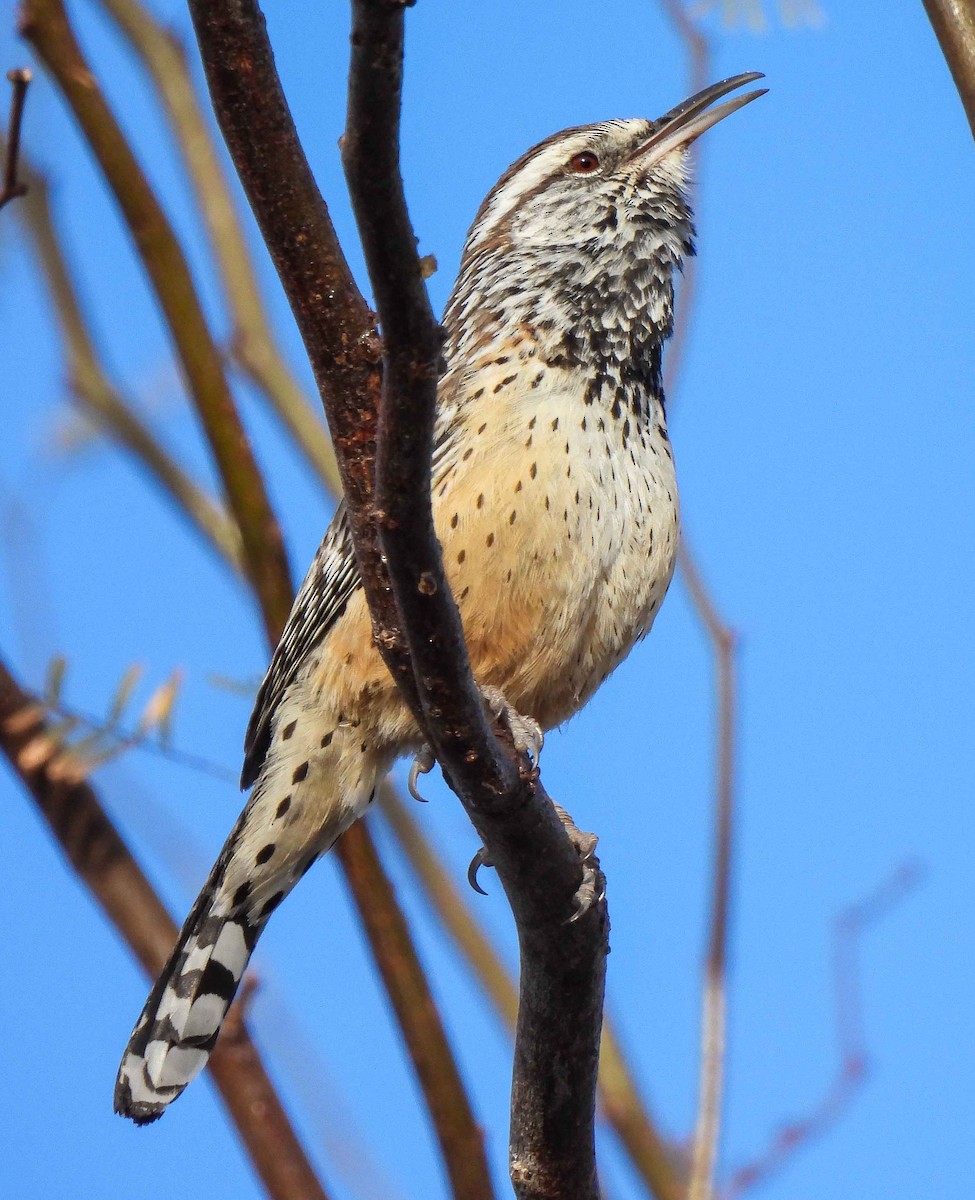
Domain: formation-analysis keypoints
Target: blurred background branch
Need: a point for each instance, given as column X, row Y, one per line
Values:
column 55, row 779
column 10, row 185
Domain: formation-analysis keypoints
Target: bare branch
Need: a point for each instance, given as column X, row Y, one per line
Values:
column 460, row 1137
column 10, row 186
column 714, row 1003
column 103, row 402
column 563, row 965
column 618, row 1094
column 715, row 987
column 252, row 345
column 45, row 25
column 97, row 853
column 954, row 25
column 848, row 929
column 341, row 341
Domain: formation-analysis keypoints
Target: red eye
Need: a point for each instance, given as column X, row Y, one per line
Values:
column 584, row 163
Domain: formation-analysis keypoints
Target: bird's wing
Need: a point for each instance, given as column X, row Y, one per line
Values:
column 332, row 579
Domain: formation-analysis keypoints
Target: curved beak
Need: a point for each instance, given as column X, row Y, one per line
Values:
column 683, row 124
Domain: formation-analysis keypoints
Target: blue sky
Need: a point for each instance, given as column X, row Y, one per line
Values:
column 824, row 435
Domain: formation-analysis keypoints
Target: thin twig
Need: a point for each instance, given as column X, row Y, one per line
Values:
column 713, row 1020
column 552, row 1150
column 343, row 347
column 252, row 344
column 954, row 25
column 853, row 1058
column 101, row 859
column 714, row 1001
column 45, row 25
column 10, row 186
column 103, row 402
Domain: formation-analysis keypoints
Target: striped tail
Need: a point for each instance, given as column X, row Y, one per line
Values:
column 179, row 1025
column 319, row 776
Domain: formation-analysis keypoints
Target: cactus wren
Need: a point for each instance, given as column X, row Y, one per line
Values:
column 555, row 502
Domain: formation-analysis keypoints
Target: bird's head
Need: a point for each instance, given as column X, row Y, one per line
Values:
column 589, row 225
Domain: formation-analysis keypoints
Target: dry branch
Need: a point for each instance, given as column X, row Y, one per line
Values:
column 619, row 1096
column 552, row 1150
column 97, row 853
column 344, row 349
column 721, row 636
column 252, row 344
column 342, row 345
column 45, row 25
column 10, row 186
column 90, row 384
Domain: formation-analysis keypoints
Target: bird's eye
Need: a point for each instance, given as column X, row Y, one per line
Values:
column 584, row 163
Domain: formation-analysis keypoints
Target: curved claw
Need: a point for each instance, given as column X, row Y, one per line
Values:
column 479, row 860
column 585, row 895
column 422, row 764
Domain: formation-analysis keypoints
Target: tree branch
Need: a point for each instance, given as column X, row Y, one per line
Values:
column 97, row 853
column 45, row 25
column 563, row 965
column 252, row 344
column 10, row 186
column 954, row 25
column 106, row 406
column 619, row 1096
column 343, row 347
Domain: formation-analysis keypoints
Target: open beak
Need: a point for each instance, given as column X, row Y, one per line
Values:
column 683, row 124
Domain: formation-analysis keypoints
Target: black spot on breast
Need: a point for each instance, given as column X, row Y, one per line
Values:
column 299, row 773
column 288, row 730
column 240, row 896
column 283, row 807
column 265, row 854
column 327, row 740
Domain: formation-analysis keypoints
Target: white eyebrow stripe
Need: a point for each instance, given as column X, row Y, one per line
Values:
column 535, row 171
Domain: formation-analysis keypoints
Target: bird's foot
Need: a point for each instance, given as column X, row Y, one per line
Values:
column 422, row 764
column 591, row 890
column 526, row 733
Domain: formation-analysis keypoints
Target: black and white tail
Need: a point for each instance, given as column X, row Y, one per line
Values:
column 319, row 775
column 179, row 1024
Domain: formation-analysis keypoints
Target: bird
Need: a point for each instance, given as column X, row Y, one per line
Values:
column 555, row 503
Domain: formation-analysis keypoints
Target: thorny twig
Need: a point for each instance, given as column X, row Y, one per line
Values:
column 11, row 187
